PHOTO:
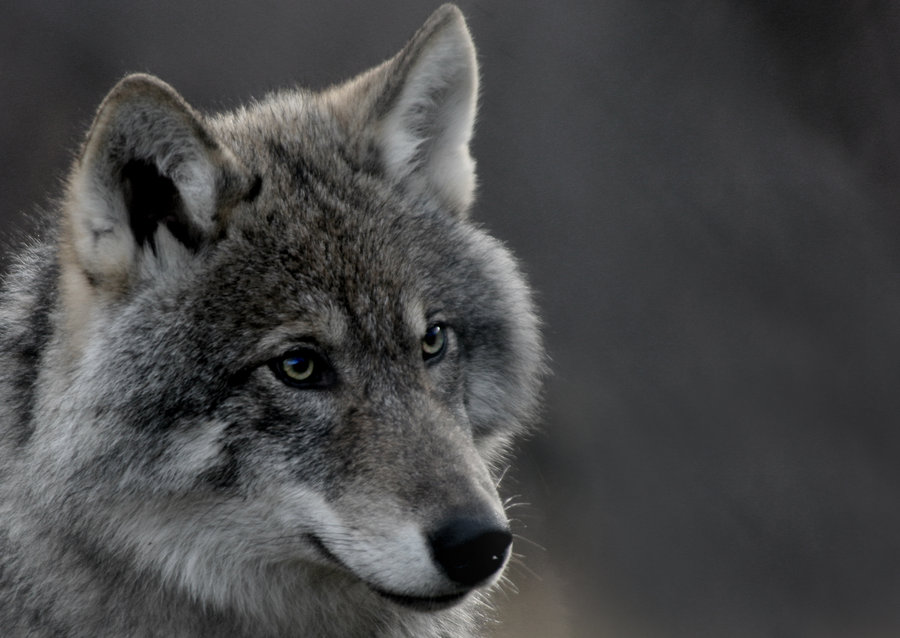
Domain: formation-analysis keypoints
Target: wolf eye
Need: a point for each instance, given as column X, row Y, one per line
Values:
column 302, row 368
column 434, row 343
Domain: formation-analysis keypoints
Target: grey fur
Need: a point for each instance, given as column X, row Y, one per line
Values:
column 157, row 476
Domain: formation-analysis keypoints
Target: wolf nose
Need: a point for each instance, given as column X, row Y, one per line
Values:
column 470, row 550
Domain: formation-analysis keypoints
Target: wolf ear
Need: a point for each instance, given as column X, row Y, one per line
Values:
column 149, row 187
column 425, row 113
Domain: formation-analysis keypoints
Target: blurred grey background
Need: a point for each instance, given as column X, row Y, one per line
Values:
column 705, row 195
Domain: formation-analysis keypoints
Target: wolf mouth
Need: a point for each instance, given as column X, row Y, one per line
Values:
column 430, row 603
column 417, row 603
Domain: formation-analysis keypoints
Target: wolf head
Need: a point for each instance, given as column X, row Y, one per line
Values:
column 284, row 352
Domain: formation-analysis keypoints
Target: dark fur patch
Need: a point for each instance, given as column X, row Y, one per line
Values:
column 226, row 474
column 255, row 188
column 28, row 350
column 152, row 199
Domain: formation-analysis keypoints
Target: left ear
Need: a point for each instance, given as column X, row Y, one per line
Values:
column 425, row 114
column 152, row 185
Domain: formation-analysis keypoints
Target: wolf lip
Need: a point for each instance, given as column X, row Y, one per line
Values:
column 323, row 549
column 418, row 603
column 425, row 603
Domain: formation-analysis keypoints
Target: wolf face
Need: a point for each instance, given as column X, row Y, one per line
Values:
column 283, row 364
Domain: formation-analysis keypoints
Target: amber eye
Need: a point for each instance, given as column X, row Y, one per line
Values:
column 302, row 368
column 434, row 343
column 298, row 367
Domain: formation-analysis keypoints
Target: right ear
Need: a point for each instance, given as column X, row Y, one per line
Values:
column 151, row 187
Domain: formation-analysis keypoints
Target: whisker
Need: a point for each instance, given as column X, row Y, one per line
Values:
column 533, row 543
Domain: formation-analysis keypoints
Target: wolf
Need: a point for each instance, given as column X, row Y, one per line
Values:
column 261, row 372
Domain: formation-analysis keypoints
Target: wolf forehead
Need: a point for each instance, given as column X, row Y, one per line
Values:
column 322, row 213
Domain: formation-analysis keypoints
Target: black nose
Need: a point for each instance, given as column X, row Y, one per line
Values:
column 470, row 550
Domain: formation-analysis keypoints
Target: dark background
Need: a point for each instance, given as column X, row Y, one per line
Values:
column 704, row 195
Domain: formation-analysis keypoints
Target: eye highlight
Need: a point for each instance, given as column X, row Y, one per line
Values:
column 434, row 343
column 302, row 368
